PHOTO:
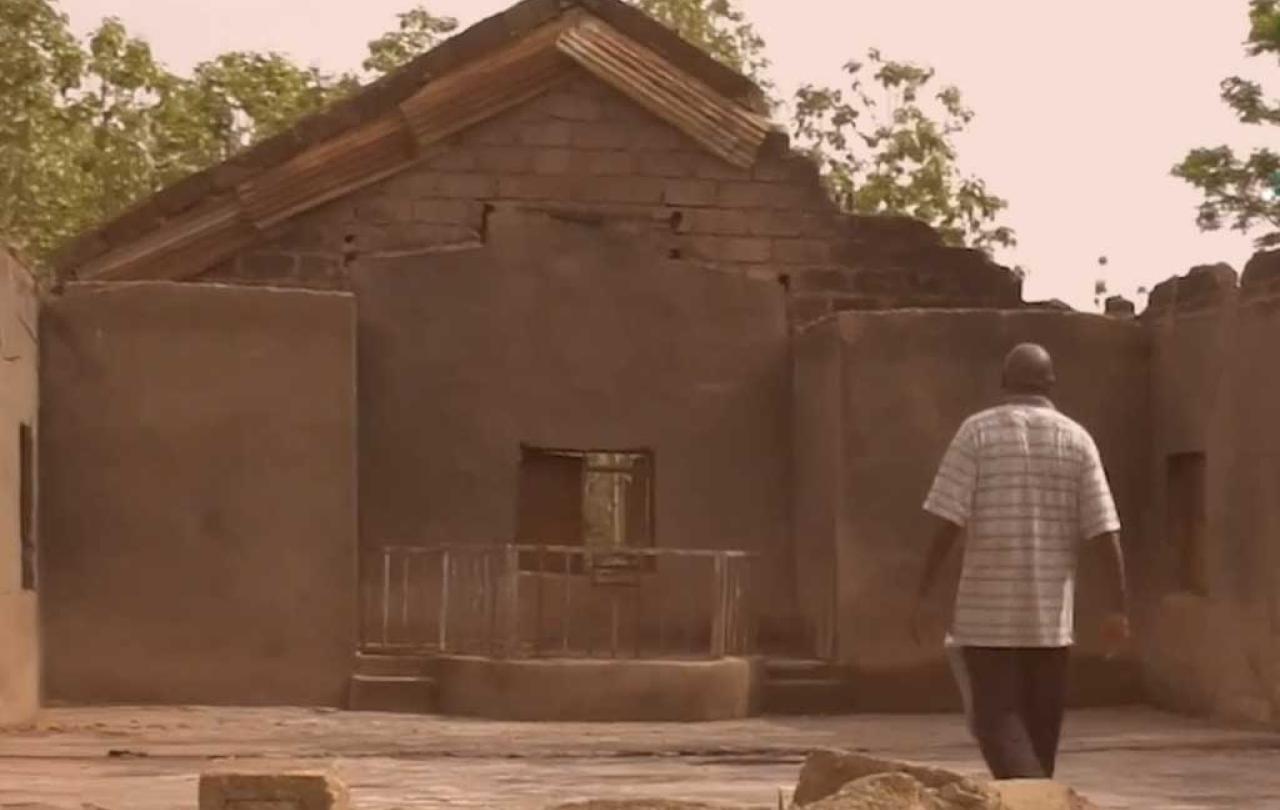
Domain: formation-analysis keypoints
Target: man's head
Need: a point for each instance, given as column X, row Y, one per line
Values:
column 1028, row 369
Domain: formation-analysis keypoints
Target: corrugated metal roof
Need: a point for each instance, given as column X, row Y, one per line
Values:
column 329, row 170
column 727, row 129
column 364, row 153
column 479, row 91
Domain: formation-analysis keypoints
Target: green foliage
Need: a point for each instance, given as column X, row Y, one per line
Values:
column 40, row 64
column 88, row 129
column 1243, row 191
column 716, row 26
column 885, row 144
column 418, row 32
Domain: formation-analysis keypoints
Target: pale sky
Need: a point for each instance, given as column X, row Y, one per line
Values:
column 1082, row 107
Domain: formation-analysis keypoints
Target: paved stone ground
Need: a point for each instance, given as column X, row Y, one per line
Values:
column 149, row 758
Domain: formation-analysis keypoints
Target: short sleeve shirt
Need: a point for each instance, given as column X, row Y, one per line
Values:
column 1027, row 484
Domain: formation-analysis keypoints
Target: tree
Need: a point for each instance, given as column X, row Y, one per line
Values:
column 418, row 32
column 885, row 145
column 40, row 64
column 719, row 28
column 1243, row 191
column 88, row 129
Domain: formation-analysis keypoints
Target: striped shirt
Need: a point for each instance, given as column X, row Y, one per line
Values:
column 1028, row 486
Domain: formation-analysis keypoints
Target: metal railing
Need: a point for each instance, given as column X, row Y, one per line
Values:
column 527, row 601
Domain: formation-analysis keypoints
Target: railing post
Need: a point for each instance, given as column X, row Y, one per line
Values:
column 442, row 634
column 386, row 593
column 404, row 596
column 537, row 608
column 490, row 595
column 717, row 601
column 509, row 622
column 566, row 610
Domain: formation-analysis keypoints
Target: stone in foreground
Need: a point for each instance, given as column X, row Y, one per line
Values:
column 1037, row 794
column 827, row 773
column 303, row 790
column 639, row 804
column 838, row 780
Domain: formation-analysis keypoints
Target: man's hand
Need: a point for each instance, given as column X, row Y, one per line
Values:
column 918, row 628
column 925, row 629
column 1115, row 634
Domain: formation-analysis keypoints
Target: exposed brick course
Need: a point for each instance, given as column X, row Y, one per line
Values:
column 585, row 152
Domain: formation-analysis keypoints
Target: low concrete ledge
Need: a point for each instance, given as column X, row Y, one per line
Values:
column 598, row 690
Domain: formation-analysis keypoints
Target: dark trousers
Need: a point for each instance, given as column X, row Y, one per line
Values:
column 1018, row 699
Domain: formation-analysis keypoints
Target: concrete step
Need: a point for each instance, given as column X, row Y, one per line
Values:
column 387, row 665
column 808, row 696
column 405, row 694
column 786, row 669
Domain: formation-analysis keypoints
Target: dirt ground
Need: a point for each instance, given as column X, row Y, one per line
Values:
column 150, row 758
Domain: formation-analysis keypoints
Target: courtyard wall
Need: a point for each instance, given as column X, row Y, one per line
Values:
column 1212, row 644
column 904, row 382
column 199, row 495
column 19, row 643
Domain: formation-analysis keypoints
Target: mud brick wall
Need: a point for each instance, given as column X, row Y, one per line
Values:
column 198, row 495
column 585, row 151
column 19, row 644
column 1210, row 646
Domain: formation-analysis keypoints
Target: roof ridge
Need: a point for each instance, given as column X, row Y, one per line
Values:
column 210, row 203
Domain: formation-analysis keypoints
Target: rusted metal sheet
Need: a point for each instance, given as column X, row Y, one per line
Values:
column 722, row 126
column 180, row 248
column 476, row 93
column 327, row 171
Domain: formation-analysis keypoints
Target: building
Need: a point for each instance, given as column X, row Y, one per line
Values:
column 477, row 358
column 19, row 665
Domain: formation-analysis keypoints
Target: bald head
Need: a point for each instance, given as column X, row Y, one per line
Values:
column 1028, row 369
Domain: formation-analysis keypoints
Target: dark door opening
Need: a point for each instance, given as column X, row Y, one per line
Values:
column 598, row 500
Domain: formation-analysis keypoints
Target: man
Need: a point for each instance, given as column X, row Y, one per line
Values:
column 1026, row 486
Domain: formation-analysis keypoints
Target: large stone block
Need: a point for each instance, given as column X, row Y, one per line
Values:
column 302, row 790
column 1037, row 794
column 839, row 780
column 826, row 774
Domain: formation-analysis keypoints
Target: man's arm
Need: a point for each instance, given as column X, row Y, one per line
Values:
column 1108, row 545
column 944, row 539
column 950, row 501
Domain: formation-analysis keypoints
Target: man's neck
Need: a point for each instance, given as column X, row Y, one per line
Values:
column 1034, row 400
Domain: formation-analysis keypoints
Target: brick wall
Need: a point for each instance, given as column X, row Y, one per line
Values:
column 584, row 151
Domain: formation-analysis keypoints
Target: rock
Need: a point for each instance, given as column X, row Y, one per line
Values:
column 1035, row 794
column 304, row 790
column 825, row 773
column 1120, row 307
column 883, row 791
column 1261, row 273
column 637, row 804
column 837, row 780
column 897, row 790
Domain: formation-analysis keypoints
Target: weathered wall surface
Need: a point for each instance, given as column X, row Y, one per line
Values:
column 199, row 529
column 909, row 379
column 817, row 478
column 1217, row 649
column 19, row 647
column 575, row 336
column 586, row 147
